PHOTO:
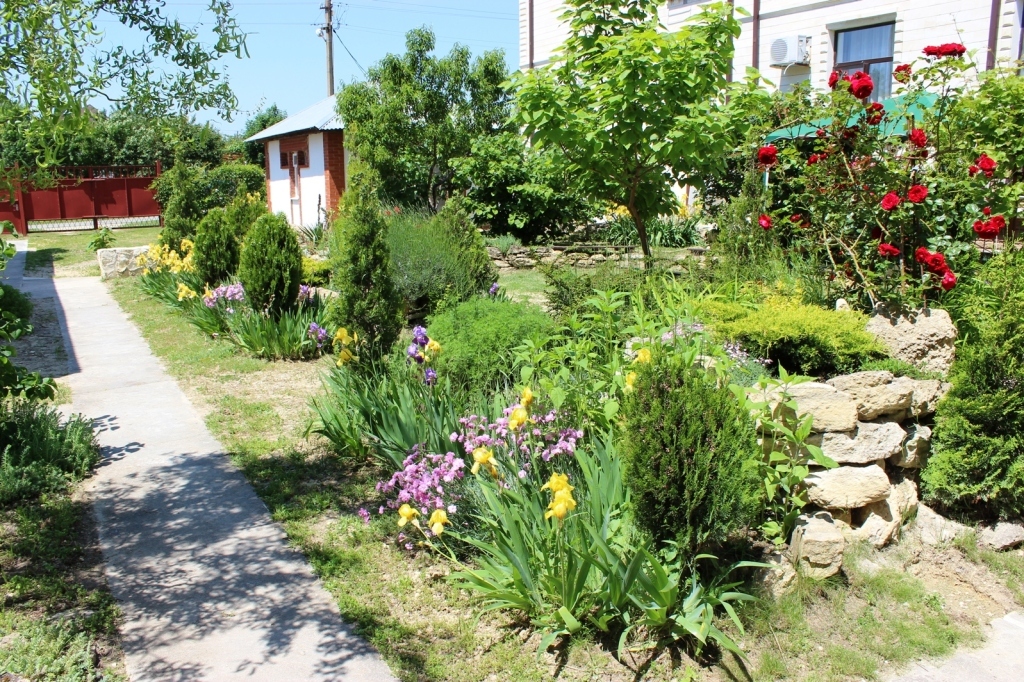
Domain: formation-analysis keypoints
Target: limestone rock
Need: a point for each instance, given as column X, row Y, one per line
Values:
column 884, row 518
column 1002, row 536
column 847, row 487
column 916, row 448
column 924, row 338
column 832, row 409
column 817, row 546
column 925, row 394
column 875, row 392
column 869, row 443
column 780, row 575
column 935, row 528
column 121, row 262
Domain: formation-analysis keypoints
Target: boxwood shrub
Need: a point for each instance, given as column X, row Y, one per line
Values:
column 216, row 249
column 270, row 266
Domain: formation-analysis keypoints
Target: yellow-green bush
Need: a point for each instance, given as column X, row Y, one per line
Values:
column 803, row 338
column 315, row 272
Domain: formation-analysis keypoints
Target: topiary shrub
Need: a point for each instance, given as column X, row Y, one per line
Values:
column 691, row 456
column 216, row 249
column 14, row 302
column 804, row 338
column 270, row 267
column 977, row 462
column 478, row 337
column 368, row 302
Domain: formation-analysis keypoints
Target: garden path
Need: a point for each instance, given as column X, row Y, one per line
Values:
column 209, row 588
column 1000, row 660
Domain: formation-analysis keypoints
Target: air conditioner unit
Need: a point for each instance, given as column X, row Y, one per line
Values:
column 791, row 50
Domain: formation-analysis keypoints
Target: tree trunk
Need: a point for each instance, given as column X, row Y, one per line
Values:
column 641, row 230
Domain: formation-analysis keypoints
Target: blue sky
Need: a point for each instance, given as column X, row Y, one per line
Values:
column 287, row 62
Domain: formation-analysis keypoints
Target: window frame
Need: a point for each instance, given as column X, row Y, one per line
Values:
column 862, row 65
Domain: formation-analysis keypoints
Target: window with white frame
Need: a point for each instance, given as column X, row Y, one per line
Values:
column 868, row 49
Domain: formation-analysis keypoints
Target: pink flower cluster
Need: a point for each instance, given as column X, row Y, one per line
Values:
column 229, row 292
column 537, row 437
column 422, row 481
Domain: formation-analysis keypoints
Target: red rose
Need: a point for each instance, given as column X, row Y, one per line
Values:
column 917, row 193
column 902, row 73
column 973, row 170
column 765, row 221
column 951, row 50
column 986, row 163
column 768, row 155
column 833, row 79
column 813, row 159
column 918, row 138
column 998, row 222
column 795, row 218
column 931, row 51
column 820, row 132
column 921, row 254
column 861, row 85
column 988, row 229
column 936, row 263
column 887, row 250
column 948, row 280
column 987, row 210
column 890, row 201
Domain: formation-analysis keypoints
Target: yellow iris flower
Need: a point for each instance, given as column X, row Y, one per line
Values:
column 643, row 356
column 434, row 347
column 518, row 417
column 407, row 515
column 184, row 292
column 630, row 380
column 527, row 397
column 438, row 520
column 344, row 338
column 345, row 357
column 558, row 482
column 561, row 504
column 484, row 457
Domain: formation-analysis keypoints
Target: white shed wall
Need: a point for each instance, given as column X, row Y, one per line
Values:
column 312, row 181
column 279, row 192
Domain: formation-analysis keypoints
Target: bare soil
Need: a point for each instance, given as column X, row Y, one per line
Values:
column 43, row 350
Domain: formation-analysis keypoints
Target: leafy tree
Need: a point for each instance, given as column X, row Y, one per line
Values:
column 254, row 152
column 518, row 189
column 637, row 109
column 52, row 63
column 368, row 302
column 416, row 113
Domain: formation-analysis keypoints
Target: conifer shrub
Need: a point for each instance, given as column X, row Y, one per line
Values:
column 691, row 456
column 478, row 338
column 176, row 228
column 368, row 302
column 270, row 267
column 977, row 461
column 244, row 210
column 216, row 249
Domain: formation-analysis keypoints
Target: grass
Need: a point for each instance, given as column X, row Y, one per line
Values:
column 57, row 622
column 1007, row 566
column 66, row 254
column 851, row 627
column 841, row 629
column 524, row 285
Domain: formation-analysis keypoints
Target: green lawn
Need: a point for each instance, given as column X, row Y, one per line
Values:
column 524, row 285
column 67, row 254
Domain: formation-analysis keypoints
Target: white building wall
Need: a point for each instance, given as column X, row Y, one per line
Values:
column 279, row 192
column 314, row 184
column 917, row 23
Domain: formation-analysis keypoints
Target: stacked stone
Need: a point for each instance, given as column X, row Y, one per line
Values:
column 121, row 261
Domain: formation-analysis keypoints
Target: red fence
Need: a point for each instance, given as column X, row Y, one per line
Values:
column 86, row 194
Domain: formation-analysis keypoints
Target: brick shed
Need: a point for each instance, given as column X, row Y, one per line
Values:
column 306, row 163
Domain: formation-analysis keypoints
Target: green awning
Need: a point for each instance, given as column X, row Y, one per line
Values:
column 891, row 125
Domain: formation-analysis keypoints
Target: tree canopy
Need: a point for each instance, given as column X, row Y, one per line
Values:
column 634, row 108
column 254, row 152
column 53, row 63
column 417, row 112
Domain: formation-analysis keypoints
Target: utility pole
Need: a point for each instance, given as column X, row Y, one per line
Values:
column 329, row 37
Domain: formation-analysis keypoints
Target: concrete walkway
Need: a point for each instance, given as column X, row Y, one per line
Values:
column 209, row 588
column 1000, row 660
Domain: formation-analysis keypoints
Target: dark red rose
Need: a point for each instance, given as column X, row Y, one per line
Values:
column 931, row 51
column 987, row 210
column 986, row 163
column 921, row 254
column 951, row 50
column 795, row 218
column 917, row 193
column 768, row 155
column 918, row 138
column 890, row 201
column 820, row 132
column 988, row 229
column 875, row 112
column 948, row 280
column 902, row 73
column 765, row 221
column 861, row 85
column 813, row 159
column 973, row 170
column 936, row 263
column 998, row 222
column 833, row 79
column 888, row 250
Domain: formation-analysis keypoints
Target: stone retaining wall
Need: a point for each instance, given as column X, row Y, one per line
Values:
column 121, row 261
column 528, row 257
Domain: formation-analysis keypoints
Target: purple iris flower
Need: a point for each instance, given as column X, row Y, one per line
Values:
column 430, row 376
column 419, row 336
column 493, row 291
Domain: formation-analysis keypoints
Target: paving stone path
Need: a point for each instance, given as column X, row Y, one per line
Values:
column 209, row 588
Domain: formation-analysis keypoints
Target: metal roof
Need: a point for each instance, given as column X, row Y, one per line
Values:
column 320, row 116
